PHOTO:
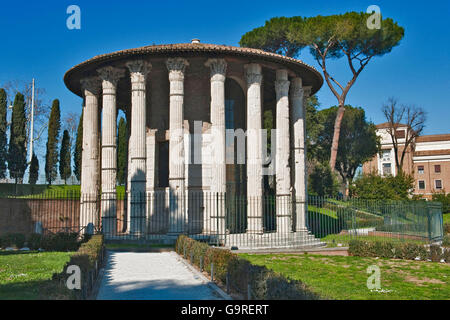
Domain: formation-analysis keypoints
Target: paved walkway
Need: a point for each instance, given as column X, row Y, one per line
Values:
column 152, row 276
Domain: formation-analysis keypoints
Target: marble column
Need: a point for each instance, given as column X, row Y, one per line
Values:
column 90, row 154
column 218, row 173
column 109, row 76
column 254, row 150
column 137, row 148
column 298, row 95
column 283, row 172
column 177, row 215
column 151, row 181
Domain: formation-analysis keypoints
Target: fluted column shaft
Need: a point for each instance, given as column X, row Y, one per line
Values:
column 109, row 76
column 254, row 149
column 219, row 176
column 176, row 69
column 298, row 98
column 90, row 153
column 283, row 172
column 137, row 145
column 177, row 217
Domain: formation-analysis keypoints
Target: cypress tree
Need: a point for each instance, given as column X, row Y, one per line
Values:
column 51, row 156
column 122, row 152
column 78, row 149
column 17, row 152
column 3, row 138
column 65, row 170
column 34, row 170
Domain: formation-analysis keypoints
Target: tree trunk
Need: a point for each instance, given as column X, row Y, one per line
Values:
column 337, row 132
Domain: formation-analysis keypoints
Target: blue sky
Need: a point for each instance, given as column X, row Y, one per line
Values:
column 35, row 42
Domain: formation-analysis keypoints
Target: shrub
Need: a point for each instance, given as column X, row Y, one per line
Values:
column 88, row 257
column 435, row 253
column 444, row 199
column 446, row 255
column 61, row 242
column 323, row 181
column 34, row 241
column 447, row 228
column 410, row 251
column 13, row 240
column 407, row 251
column 372, row 186
column 446, row 240
column 264, row 283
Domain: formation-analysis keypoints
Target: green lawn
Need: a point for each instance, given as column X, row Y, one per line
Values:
column 26, row 276
column 45, row 191
column 446, row 218
column 345, row 278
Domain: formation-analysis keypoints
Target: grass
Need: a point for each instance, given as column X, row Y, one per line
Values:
column 27, row 275
column 446, row 217
column 45, row 191
column 345, row 278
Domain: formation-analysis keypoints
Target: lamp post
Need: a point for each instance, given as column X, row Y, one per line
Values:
column 32, row 121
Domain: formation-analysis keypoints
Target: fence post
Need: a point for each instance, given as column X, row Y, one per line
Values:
column 201, row 264
column 212, row 271
column 228, row 282
column 192, row 258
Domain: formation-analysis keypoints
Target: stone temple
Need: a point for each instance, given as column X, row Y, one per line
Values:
column 185, row 175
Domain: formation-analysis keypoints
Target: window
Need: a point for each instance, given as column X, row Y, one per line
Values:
column 421, row 169
column 387, row 169
column 421, row 185
column 438, row 184
column 400, row 134
column 437, row 168
column 386, row 155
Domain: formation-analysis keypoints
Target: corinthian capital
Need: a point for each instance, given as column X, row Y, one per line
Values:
column 90, row 86
column 282, row 87
column 253, row 73
column 218, row 68
column 138, row 70
column 307, row 91
column 176, row 67
column 110, row 76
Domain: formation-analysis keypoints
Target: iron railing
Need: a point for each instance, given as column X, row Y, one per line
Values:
column 235, row 221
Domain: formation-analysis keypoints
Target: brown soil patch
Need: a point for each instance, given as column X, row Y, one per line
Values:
column 422, row 281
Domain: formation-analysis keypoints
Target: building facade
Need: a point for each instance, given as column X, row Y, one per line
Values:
column 427, row 160
column 180, row 102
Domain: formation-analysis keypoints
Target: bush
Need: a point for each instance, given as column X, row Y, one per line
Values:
column 61, row 242
column 16, row 240
column 444, row 199
column 375, row 187
column 34, row 241
column 407, row 251
column 89, row 257
column 447, row 228
column 323, row 181
column 264, row 283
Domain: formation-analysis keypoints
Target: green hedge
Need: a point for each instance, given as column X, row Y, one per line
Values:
column 265, row 284
column 391, row 250
column 89, row 258
column 61, row 241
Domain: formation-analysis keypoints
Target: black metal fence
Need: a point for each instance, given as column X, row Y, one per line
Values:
column 227, row 220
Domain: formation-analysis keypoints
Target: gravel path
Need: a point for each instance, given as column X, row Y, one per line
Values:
column 152, row 276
